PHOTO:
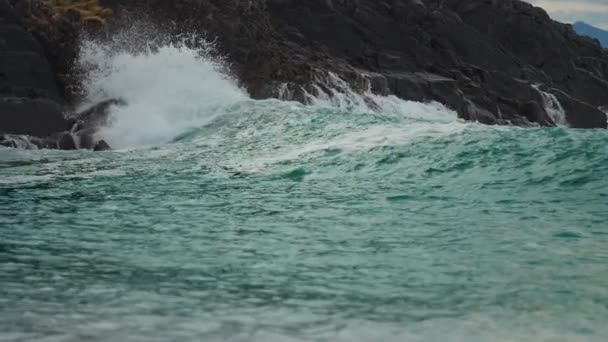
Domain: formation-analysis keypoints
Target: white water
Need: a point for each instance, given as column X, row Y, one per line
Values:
column 173, row 90
column 553, row 107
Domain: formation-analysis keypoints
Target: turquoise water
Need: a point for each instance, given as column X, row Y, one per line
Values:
column 274, row 221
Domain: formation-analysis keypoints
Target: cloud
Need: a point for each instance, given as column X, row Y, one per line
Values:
column 594, row 12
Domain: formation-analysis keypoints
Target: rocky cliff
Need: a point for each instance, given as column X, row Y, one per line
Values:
column 30, row 101
column 494, row 61
column 38, row 49
column 483, row 58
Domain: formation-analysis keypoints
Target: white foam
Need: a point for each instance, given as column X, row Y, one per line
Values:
column 168, row 91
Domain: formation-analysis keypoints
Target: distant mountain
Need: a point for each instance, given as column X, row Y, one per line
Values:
column 592, row 31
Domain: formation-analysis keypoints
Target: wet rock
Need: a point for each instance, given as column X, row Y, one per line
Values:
column 580, row 114
column 535, row 113
column 25, row 142
column 86, row 139
column 65, row 141
column 31, row 107
column 97, row 115
column 102, row 146
column 37, row 117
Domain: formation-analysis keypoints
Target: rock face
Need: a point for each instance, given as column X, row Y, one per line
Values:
column 35, row 85
column 29, row 96
column 479, row 57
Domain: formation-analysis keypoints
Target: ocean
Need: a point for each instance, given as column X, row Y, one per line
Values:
column 222, row 218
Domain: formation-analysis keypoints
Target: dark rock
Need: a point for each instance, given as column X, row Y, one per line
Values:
column 97, row 115
column 24, row 67
column 102, row 146
column 62, row 141
column 30, row 104
column 578, row 113
column 36, row 117
column 479, row 57
column 59, row 38
column 86, row 139
column 27, row 70
column 7, row 14
column 65, row 141
column 535, row 113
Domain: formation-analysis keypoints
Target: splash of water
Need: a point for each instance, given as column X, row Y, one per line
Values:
column 553, row 107
column 168, row 91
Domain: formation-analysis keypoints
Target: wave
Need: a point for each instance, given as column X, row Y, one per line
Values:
column 173, row 91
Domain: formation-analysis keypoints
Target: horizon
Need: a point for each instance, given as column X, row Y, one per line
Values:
column 592, row 12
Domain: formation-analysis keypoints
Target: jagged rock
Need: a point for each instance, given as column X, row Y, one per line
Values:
column 58, row 36
column 86, row 139
column 89, row 121
column 7, row 14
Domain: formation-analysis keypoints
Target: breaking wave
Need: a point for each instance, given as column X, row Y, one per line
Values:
column 172, row 91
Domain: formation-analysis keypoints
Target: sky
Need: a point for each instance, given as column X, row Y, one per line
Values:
column 594, row 12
